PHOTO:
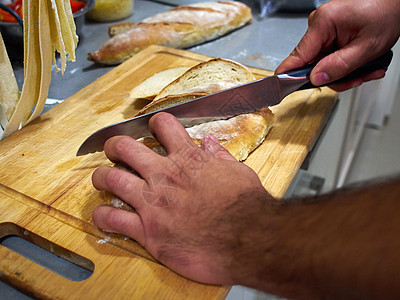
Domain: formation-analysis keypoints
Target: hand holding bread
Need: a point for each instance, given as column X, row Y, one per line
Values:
column 239, row 135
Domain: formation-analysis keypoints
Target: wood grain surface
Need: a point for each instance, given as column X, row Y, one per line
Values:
column 46, row 194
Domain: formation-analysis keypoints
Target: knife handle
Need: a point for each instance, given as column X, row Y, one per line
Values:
column 379, row 63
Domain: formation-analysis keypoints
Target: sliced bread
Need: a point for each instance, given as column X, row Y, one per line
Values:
column 209, row 72
column 152, row 86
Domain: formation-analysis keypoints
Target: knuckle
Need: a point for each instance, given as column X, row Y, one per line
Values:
column 343, row 63
column 296, row 51
column 116, row 180
column 374, row 45
column 114, row 220
column 323, row 11
column 311, row 17
column 324, row 14
column 161, row 119
column 112, row 178
column 123, row 145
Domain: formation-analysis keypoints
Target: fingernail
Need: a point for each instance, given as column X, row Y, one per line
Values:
column 321, row 78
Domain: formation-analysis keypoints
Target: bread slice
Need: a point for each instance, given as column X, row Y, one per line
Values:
column 190, row 94
column 218, row 71
column 152, row 86
column 181, row 27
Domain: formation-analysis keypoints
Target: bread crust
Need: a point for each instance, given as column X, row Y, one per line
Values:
column 188, row 79
column 181, row 27
column 126, row 44
column 119, row 28
column 239, row 135
column 168, row 101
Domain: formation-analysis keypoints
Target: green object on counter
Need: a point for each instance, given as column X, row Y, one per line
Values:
column 110, row 10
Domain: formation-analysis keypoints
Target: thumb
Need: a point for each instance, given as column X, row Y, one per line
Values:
column 341, row 63
column 211, row 145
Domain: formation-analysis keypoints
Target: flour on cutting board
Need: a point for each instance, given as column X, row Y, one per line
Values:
column 102, row 241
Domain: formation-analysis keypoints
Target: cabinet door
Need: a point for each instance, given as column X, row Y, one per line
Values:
column 387, row 92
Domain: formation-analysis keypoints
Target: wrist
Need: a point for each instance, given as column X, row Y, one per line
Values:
column 257, row 245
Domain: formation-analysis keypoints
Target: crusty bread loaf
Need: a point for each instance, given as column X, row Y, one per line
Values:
column 181, row 27
column 240, row 134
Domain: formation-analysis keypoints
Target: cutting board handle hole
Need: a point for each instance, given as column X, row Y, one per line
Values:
column 45, row 253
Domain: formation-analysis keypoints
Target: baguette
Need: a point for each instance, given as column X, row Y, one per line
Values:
column 239, row 135
column 181, row 27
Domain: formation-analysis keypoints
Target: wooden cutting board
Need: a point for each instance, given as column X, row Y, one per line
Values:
column 46, row 194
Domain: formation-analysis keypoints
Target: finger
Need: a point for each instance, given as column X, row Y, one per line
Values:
column 134, row 154
column 121, row 183
column 119, row 221
column 170, row 133
column 340, row 87
column 378, row 74
column 211, row 145
column 341, row 63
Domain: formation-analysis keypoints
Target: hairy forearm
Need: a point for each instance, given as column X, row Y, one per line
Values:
column 343, row 245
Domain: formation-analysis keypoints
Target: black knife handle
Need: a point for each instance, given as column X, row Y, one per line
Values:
column 379, row 63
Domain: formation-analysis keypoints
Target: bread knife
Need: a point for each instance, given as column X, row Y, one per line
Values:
column 242, row 99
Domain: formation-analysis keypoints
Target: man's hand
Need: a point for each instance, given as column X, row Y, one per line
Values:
column 207, row 217
column 194, row 208
column 350, row 33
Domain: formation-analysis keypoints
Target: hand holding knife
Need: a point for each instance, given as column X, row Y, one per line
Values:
column 242, row 99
